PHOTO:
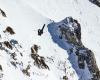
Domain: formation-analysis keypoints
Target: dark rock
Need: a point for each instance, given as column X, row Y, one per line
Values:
column 3, row 13
column 40, row 31
column 96, row 2
column 8, row 45
column 1, row 68
column 9, row 30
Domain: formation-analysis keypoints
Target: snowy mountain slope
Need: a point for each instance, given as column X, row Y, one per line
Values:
column 25, row 22
column 25, row 18
column 84, row 11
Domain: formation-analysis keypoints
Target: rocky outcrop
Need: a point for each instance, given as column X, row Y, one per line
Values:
column 69, row 31
column 39, row 61
column 73, row 35
column 9, row 30
column 3, row 13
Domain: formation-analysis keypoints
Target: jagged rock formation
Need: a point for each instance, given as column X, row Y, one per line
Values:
column 69, row 31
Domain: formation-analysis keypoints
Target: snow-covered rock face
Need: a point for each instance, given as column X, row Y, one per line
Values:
column 34, row 47
column 67, row 34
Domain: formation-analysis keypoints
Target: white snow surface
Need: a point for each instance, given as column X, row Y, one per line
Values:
column 27, row 16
